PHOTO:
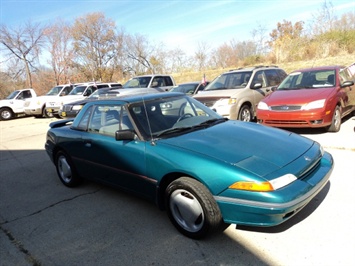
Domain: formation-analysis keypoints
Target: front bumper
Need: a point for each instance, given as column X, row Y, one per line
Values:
column 299, row 119
column 257, row 213
column 53, row 110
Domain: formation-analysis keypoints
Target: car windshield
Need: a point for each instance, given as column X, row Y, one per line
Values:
column 79, row 90
column 232, row 80
column 54, row 91
column 169, row 116
column 12, row 95
column 308, row 79
column 185, row 88
column 138, row 82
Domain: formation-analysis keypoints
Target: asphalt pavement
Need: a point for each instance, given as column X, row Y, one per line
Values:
column 44, row 223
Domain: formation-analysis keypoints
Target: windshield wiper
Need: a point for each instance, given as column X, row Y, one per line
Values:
column 212, row 122
column 173, row 130
column 204, row 124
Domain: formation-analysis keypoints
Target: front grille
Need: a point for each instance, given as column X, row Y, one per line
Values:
column 67, row 108
column 210, row 101
column 286, row 108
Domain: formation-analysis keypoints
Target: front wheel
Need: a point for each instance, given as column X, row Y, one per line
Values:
column 192, row 208
column 46, row 114
column 245, row 113
column 336, row 120
column 6, row 114
column 66, row 170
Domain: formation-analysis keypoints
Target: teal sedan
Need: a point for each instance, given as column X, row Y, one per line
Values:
column 203, row 169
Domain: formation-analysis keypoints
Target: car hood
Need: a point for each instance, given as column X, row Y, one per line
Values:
column 218, row 93
column 253, row 147
column 297, row 97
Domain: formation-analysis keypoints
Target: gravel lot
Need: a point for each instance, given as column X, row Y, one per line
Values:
column 44, row 223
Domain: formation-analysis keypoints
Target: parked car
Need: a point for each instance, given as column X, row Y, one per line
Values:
column 190, row 87
column 317, row 97
column 13, row 105
column 165, row 82
column 235, row 94
column 36, row 106
column 80, row 92
column 205, row 170
column 72, row 109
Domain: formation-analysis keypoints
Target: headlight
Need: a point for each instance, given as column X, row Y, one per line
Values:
column 264, row 186
column 77, row 107
column 232, row 101
column 314, row 105
column 263, row 106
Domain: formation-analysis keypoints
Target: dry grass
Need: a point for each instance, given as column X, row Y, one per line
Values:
column 288, row 67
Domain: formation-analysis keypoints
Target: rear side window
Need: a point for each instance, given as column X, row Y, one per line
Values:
column 274, row 77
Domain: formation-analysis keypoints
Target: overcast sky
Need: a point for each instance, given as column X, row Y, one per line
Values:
column 180, row 23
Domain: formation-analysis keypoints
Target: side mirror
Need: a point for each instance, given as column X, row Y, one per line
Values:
column 347, row 84
column 273, row 88
column 256, row 86
column 125, row 135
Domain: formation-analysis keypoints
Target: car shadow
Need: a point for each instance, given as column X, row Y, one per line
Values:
column 297, row 218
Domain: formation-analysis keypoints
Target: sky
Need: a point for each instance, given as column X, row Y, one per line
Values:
column 180, row 24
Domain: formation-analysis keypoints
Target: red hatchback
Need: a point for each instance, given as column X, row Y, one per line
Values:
column 313, row 97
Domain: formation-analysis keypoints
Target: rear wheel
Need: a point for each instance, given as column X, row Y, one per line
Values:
column 336, row 120
column 245, row 113
column 6, row 114
column 66, row 170
column 192, row 208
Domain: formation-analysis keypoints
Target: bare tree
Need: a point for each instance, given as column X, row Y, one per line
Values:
column 201, row 55
column 324, row 19
column 24, row 44
column 61, row 53
column 95, row 45
column 138, row 53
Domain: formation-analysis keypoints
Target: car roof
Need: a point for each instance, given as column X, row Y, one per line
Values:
column 318, row 68
column 138, row 97
column 242, row 69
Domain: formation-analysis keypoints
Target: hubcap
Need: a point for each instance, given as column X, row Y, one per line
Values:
column 64, row 169
column 337, row 119
column 5, row 114
column 246, row 115
column 186, row 210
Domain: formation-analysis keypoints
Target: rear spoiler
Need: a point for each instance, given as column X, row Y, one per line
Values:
column 61, row 123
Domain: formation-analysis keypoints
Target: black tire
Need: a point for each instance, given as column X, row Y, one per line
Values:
column 192, row 208
column 245, row 113
column 336, row 120
column 65, row 170
column 6, row 114
column 46, row 114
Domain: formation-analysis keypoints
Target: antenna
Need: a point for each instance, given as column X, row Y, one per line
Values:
column 148, row 122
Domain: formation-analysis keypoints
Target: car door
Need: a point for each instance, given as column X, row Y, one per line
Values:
column 116, row 162
column 19, row 101
column 260, row 93
column 348, row 92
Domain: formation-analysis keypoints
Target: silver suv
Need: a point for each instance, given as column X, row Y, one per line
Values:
column 236, row 93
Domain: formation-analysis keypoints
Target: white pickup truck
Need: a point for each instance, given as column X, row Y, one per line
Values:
column 37, row 106
column 164, row 82
column 80, row 92
column 13, row 105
